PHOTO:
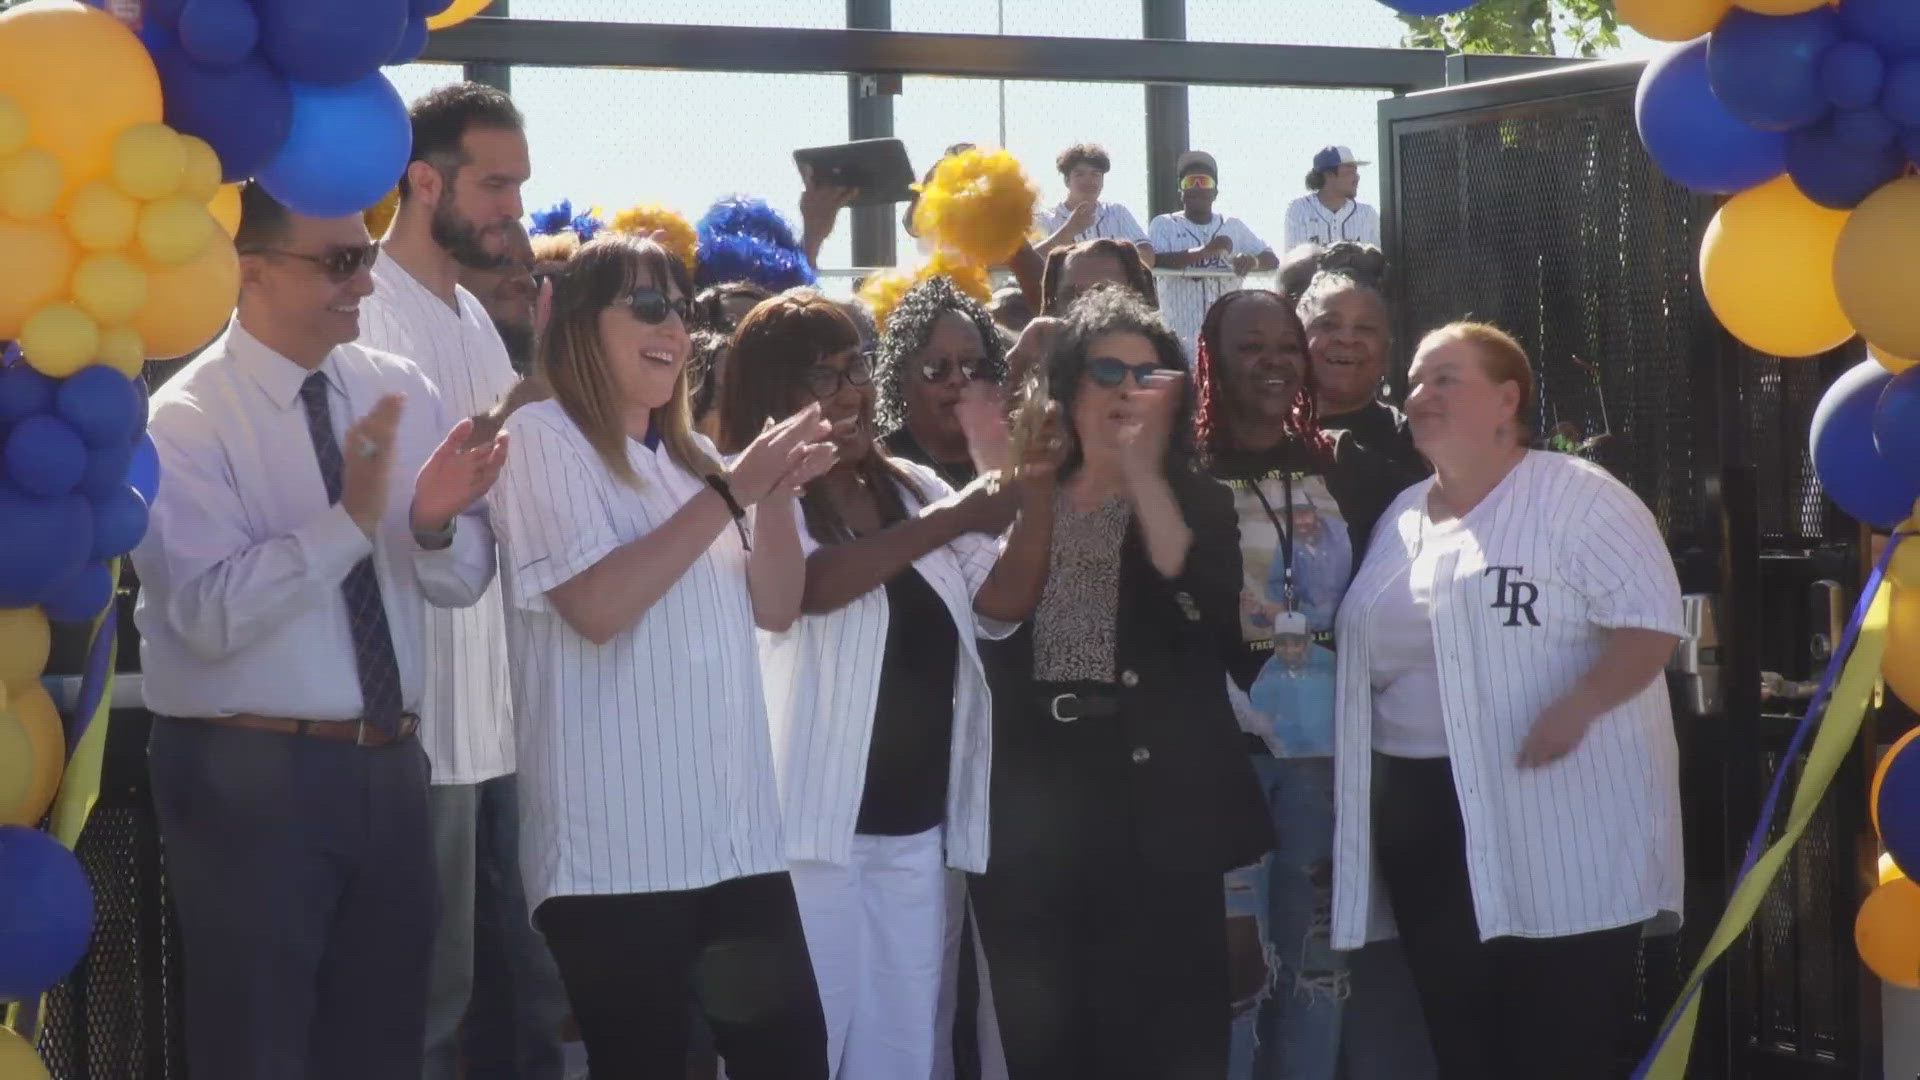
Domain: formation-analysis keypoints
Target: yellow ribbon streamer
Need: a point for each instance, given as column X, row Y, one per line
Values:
column 1832, row 743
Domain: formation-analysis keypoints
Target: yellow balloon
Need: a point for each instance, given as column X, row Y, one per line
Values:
column 1887, row 932
column 1779, row 7
column 13, row 126
column 1672, row 20
column 459, row 12
column 149, row 161
column 1901, row 664
column 123, row 350
column 59, row 340
column 17, row 1059
column 1904, row 568
column 34, row 270
column 33, row 754
column 1766, row 266
column 25, row 641
column 225, row 208
column 81, row 77
column 109, row 286
column 1887, row 360
column 201, row 177
column 1888, row 871
column 188, row 304
column 1874, row 271
column 101, row 218
column 174, row 229
column 29, row 185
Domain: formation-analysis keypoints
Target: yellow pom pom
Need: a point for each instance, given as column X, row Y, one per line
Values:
column 149, row 161
column 109, row 287
column 978, row 205
column 882, row 291
column 380, row 215
column 100, row 218
column 680, row 239
column 29, row 184
column 122, row 349
column 174, row 229
column 59, row 340
column 13, row 126
column 969, row 279
column 201, row 178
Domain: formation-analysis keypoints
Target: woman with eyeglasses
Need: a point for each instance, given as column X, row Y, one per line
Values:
column 937, row 342
column 1121, row 793
column 637, row 565
column 877, row 698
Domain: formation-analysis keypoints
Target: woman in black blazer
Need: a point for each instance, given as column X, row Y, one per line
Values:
column 1121, row 792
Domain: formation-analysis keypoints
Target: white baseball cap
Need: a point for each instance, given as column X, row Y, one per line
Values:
column 1332, row 157
column 1289, row 622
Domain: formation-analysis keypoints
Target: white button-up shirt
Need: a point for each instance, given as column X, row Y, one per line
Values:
column 1111, row 221
column 1560, row 553
column 1309, row 221
column 823, row 682
column 1184, row 300
column 645, row 764
column 466, row 719
column 240, row 606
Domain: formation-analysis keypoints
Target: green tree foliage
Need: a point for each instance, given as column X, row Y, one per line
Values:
column 1529, row 27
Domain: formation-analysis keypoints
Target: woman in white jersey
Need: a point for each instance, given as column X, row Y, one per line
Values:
column 1505, row 766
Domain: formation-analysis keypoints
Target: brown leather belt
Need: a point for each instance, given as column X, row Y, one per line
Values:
column 357, row 732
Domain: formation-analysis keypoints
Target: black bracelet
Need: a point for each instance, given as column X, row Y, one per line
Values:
column 725, row 490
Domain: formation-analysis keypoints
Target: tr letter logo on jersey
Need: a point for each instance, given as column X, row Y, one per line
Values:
column 1514, row 594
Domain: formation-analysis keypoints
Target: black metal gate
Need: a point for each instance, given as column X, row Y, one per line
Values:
column 1529, row 202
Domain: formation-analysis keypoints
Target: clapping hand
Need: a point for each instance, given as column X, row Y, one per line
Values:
column 1148, row 424
column 459, row 472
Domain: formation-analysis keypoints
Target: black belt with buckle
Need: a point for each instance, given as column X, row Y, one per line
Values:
column 1067, row 706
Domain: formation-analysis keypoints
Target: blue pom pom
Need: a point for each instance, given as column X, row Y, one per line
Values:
column 586, row 226
column 744, row 239
column 552, row 221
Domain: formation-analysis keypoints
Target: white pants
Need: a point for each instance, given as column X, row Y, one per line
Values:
column 877, row 929
column 993, row 1060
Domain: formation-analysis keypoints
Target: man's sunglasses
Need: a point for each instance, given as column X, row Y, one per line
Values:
column 1109, row 373
column 940, row 370
column 1198, row 182
column 340, row 264
column 651, row 306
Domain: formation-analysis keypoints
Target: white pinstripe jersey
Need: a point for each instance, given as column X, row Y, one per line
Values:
column 823, row 679
column 466, row 717
column 1112, row 222
column 1520, row 607
column 644, row 762
column 1184, row 301
column 1309, row 221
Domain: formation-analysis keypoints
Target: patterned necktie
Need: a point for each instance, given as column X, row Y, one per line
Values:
column 372, row 641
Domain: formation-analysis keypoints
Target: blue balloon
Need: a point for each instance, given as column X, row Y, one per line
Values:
column 144, row 473
column 44, row 541
column 1692, row 137
column 1834, row 174
column 348, row 147
column 244, row 112
column 1867, row 130
column 1854, row 475
column 427, row 9
column 1851, row 73
column 412, row 43
column 1766, row 68
column 119, row 521
column 139, row 426
column 45, row 456
column 106, row 469
column 100, row 403
column 24, row 392
column 1897, row 802
column 1900, row 96
column 79, row 596
column 46, row 912
column 218, row 33
column 1892, row 26
column 330, row 44
column 168, row 11
column 1896, row 423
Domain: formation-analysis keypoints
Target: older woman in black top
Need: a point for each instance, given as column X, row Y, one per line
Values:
column 938, row 341
column 1121, row 793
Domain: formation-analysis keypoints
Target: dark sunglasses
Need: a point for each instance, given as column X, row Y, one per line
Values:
column 1107, row 372
column 340, row 264
column 939, row 370
column 825, row 382
column 652, row 306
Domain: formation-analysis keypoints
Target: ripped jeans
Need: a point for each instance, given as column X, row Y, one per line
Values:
column 1291, row 1030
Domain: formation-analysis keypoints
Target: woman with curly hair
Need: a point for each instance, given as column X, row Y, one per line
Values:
column 937, row 342
column 1306, row 501
column 1343, row 306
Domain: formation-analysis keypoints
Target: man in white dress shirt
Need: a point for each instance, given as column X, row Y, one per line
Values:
column 1081, row 215
column 1331, row 211
column 1197, row 238
column 459, row 205
column 282, row 641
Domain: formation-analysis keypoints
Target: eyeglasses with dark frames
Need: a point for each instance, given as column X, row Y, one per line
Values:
column 824, row 382
column 340, row 264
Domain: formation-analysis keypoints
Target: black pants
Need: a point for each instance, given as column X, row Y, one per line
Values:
column 1507, row 1009
column 302, row 874
column 631, row 964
